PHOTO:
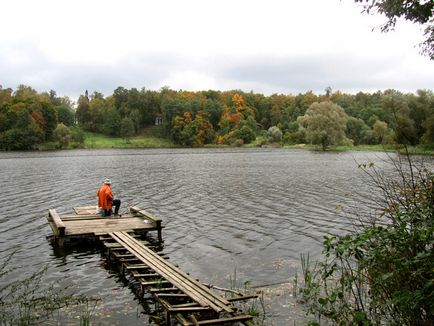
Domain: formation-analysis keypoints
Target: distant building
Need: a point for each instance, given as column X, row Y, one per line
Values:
column 159, row 120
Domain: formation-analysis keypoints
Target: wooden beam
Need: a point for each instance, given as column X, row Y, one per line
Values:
column 218, row 321
column 149, row 216
column 57, row 222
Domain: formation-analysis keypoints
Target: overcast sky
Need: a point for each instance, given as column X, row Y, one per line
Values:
column 272, row 46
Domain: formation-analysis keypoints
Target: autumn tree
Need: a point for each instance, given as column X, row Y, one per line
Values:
column 236, row 122
column 192, row 132
column 325, row 124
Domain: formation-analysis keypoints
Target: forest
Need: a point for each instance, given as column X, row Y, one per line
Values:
column 235, row 118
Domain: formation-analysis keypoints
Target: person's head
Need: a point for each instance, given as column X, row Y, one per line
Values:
column 107, row 181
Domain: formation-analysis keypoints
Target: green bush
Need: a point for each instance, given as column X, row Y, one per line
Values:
column 384, row 272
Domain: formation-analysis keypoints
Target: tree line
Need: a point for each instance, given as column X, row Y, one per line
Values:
column 29, row 118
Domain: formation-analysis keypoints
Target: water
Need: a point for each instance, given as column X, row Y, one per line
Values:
column 225, row 211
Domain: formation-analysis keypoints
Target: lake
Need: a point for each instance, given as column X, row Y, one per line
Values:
column 226, row 212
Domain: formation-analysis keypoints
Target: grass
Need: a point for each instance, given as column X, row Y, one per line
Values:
column 153, row 137
column 94, row 140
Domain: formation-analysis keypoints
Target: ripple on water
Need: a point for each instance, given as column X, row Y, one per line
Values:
column 224, row 210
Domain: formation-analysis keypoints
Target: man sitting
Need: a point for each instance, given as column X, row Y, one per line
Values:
column 106, row 201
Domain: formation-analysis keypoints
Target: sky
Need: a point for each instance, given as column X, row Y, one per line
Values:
column 272, row 46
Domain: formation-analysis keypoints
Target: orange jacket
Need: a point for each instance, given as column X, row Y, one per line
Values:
column 105, row 197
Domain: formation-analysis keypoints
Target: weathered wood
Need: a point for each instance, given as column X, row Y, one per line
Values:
column 57, row 222
column 149, row 283
column 144, row 213
column 137, row 275
column 86, row 210
column 188, row 285
column 135, row 266
column 152, row 290
column 219, row 321
column 171, row 295
column 155, row 219
column 182, row 305
column 242, row 298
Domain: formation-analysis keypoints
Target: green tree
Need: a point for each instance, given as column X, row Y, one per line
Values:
column 24, row 135
column 112, row 122
column 274, row 134
column 83, row 112
column 127, row 128
column 325, row 124
column 65, row 115
column 357, row 130
column 77, row 136
column 382, row 133
column 62, row 135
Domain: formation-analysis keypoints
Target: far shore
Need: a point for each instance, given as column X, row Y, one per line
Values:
column 99, row 141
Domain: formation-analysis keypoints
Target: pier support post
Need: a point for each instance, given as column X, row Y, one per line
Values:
column 160, row 237
column 60, row 241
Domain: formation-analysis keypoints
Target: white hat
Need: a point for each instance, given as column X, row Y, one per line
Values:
column 107, row 181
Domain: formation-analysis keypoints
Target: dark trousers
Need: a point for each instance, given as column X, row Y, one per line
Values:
column 117, row 205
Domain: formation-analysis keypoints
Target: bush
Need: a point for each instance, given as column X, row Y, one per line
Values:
column 384, row 272
column 77, row 135
column 274, row 134
column 62, row 135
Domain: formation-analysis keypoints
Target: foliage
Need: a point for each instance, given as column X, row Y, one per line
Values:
column 416, row 11
column 28, row 119
column 192, row 132
column 384, row 272
column 274, row 134
column 127, row 128
column 382, row 133
column 62, row 135
column 325, row 124
column 357, row 130
column 77, row 135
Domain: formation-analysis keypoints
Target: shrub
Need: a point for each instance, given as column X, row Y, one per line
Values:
column 274, row 134
column 62, row 135
column 384, row 272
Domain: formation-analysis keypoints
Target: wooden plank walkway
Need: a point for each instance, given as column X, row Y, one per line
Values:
column 184, row 298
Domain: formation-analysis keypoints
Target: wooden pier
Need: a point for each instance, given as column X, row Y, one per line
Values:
column 185, row 300
column 87, row 223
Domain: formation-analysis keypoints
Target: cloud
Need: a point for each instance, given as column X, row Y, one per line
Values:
column 26, row 63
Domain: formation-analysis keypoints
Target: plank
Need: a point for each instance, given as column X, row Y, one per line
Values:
column 159, row 268
column 144, row 213
column 234, row 319
column 193, row 288
column 57, row 222
column 85, row 210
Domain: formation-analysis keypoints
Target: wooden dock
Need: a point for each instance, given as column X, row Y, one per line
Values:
column 185, row 300
column 87, row 223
